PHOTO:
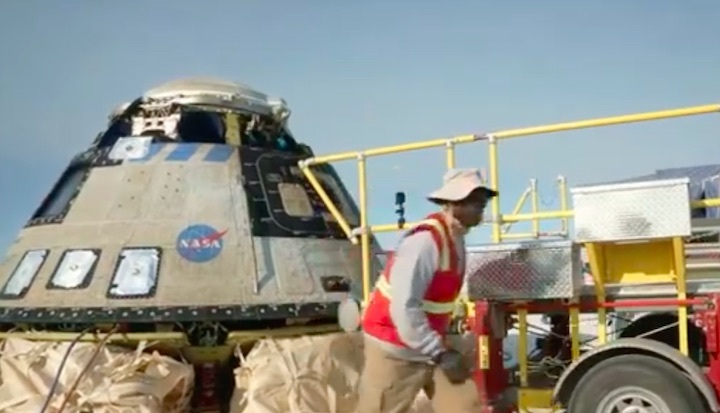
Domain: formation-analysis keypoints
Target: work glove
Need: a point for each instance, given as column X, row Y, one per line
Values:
column 453, row 365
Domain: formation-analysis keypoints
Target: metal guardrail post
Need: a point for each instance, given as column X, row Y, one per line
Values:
column 365, row 230
column 563, row 193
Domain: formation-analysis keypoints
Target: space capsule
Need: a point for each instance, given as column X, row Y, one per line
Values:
column 189, row 207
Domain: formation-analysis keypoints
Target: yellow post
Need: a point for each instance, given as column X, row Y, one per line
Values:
column 450, row 154
column 597, row 268
column 495, row 202
column 563, row 192
column 575, row 331
column 679, row 261
column 232, row 129
column 522, row 346
column 535, row 208
column 364, row 227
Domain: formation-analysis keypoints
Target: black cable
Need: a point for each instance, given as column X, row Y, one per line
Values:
column 56, row 380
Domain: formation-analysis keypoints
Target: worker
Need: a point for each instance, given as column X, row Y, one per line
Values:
column 410, row 309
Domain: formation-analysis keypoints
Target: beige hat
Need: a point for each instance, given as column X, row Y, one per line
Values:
column 458, row 184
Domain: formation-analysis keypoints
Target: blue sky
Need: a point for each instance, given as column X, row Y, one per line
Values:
column 369, row 73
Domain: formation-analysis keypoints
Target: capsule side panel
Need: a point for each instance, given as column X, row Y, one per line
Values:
column 297, row 270
column 152, row 204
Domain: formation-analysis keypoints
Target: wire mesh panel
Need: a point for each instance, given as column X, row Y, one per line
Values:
column 524, row 271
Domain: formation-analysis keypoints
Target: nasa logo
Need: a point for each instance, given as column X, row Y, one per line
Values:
column 199, row 243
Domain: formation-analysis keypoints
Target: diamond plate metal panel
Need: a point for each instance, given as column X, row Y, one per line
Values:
column 524, row 271
column 631, row 211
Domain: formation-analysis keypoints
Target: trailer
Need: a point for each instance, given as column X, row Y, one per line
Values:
column 651, row 246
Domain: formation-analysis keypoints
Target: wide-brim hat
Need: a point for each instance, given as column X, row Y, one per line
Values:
column 458, row 184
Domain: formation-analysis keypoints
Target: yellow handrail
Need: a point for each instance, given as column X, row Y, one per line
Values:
column 566, row 126
column 497, row 219
column 608, row 121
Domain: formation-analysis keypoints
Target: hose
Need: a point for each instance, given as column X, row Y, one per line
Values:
column 56, row 380
column 99, row 346
column 66, row 356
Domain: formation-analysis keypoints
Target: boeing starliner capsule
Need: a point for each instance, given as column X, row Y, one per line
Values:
column 188, row 210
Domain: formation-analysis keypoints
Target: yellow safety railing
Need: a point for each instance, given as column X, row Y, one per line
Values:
column 502, row 223
column 492, row 139
column 532, row 193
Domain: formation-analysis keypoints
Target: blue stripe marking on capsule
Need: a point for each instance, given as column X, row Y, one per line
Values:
column 153, row 150
column 219, row 153
column 183, row 152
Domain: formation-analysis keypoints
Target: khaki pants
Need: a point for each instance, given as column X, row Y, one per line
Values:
column 389, row 385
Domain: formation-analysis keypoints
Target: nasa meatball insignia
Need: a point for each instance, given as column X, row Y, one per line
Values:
column 200, row 243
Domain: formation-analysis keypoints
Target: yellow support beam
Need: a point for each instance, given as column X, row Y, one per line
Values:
column 678, row 245
column 328, row 202
column 535, row 205
column 563, row 192
column 365, row 230
column 543, row 215
column 597, row 269
column 522, row 345
column 494, row 184
column 387, row 150
column 251, row 336
column 575, row 331
column 450, row 154
column 174, row 338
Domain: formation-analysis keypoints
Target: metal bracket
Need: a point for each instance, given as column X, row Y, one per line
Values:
column 359, row 231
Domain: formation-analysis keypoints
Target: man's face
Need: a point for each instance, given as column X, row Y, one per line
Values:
column 470, row 210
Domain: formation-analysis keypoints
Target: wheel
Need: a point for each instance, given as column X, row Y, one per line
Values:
column 635, row 383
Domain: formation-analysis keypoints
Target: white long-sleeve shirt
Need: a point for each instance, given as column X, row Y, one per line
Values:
column 414, row 264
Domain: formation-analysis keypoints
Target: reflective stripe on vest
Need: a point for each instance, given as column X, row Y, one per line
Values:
column 433, row 307
column 383, row 287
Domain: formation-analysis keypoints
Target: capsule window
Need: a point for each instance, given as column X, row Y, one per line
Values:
column 62, row 194
column 75, row 270
column 136, row 273
column 24, row 274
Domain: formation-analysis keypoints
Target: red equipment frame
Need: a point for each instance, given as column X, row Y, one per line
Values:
column 492, row 379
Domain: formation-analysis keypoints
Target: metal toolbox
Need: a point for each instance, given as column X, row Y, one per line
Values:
column 524, row 271
column 632, row 211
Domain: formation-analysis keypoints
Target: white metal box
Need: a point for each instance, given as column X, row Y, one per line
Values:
column 524, row 271
column 632, row 211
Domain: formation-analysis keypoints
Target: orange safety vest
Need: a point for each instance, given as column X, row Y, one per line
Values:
column 440, row 297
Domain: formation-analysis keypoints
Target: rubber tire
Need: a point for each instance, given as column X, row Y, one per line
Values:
column 651, row 373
